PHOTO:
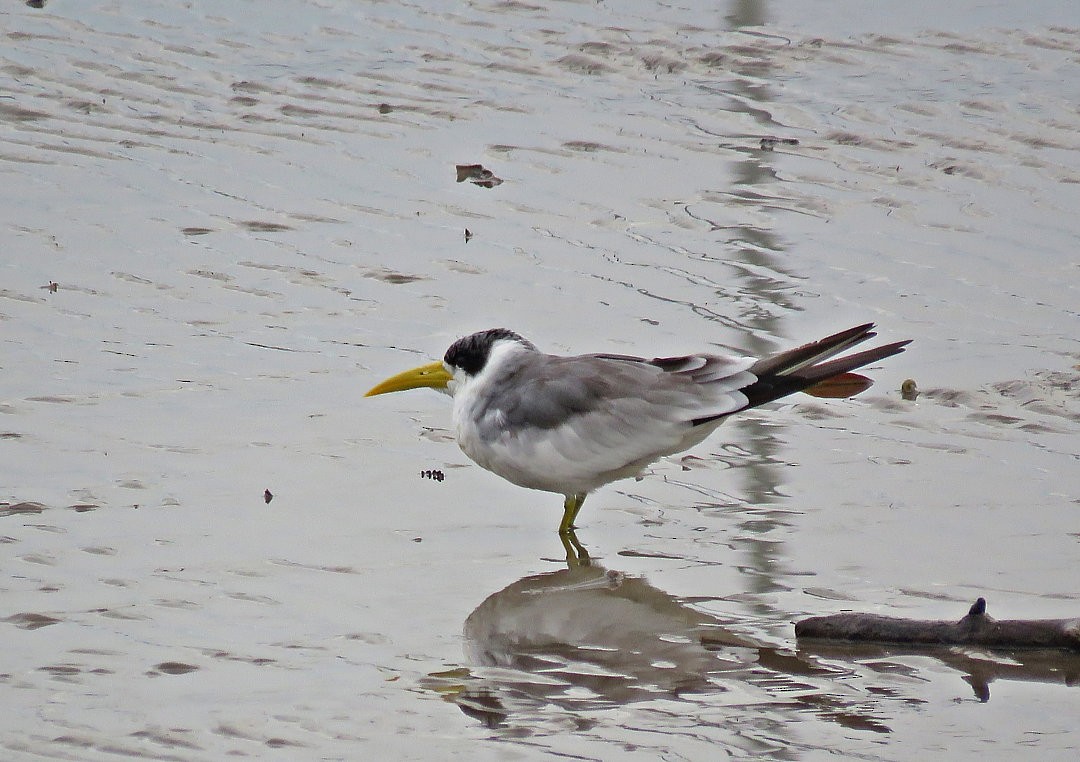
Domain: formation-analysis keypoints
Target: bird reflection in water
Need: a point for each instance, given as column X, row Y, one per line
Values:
column 586, row 638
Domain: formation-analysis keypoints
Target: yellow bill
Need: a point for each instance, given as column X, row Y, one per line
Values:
column 433, row 375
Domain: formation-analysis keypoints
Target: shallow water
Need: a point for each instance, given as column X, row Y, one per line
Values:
column 251, row 216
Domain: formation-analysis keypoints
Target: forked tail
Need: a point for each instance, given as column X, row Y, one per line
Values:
column 799, row 369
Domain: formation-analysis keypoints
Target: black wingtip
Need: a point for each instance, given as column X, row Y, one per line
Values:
column 801, row 368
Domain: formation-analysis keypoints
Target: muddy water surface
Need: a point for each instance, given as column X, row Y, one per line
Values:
column 221, row 222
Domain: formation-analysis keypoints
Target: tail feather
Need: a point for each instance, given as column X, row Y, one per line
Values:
column 822, row 371
column 793, row 359
column 797, row 369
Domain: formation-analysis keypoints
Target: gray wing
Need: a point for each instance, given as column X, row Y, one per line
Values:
column 547, row 391
column 569, row 424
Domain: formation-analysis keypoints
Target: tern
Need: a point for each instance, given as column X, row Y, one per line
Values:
column 571, row 424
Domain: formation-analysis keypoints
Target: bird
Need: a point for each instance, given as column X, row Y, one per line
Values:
column 569, row 425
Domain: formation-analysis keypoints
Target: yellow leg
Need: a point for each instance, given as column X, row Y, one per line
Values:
column 576, row 555
column 571, row 508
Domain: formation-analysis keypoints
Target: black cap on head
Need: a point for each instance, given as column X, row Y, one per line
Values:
column 470, row 353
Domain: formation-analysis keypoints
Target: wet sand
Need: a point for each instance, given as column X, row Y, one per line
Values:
column 220, row 225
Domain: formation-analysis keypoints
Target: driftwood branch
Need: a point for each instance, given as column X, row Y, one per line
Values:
column 975, row 629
